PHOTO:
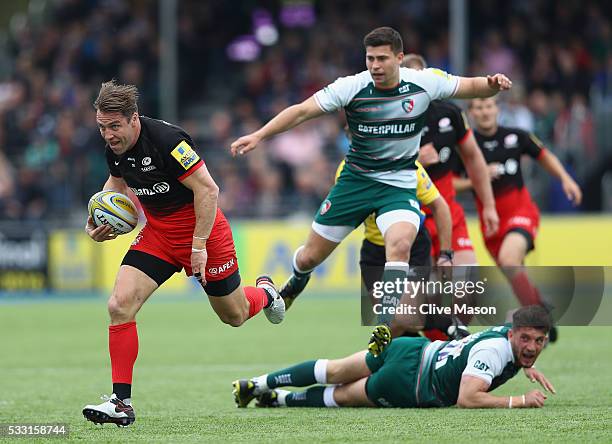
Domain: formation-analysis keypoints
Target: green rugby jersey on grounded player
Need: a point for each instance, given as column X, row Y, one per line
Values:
column 487, row 355
column 386, row 124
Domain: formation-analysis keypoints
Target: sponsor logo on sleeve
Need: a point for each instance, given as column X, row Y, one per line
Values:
column 481, row 366
column 185, row 155
column 440, row 73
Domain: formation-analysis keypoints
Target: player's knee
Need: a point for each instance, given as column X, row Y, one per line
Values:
column 340, row 397
column 508, row 259
column 307, row 259
column 398, row 249
column 120, row 307
column 233, row 318
column 332, row 372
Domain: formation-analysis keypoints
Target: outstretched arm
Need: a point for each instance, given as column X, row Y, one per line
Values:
column 481, row 87
column 283, row 121
column 473, row 395
column 551, row 163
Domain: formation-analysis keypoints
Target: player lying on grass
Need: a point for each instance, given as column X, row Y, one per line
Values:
column 414, row 372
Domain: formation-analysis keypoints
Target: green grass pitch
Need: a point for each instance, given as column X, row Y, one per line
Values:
column 54, row 360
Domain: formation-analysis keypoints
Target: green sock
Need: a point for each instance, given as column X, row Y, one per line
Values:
column 300, row 375
column 312, row 397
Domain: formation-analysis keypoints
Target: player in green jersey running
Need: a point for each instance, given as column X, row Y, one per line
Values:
column 385, row 108
column 414, row 372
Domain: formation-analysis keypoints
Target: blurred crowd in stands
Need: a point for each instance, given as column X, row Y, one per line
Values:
column 559, row 55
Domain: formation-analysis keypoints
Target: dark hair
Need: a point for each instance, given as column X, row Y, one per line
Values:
column 116, row 98
column 385, row 36
column 414, row 60
column 534, row 316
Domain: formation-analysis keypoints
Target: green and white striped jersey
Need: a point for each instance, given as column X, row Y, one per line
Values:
column 386, row 124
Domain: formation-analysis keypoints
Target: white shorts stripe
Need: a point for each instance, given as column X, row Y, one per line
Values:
column 333, row 233
column 385, row 220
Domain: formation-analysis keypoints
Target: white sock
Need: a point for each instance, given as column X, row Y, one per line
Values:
column 261, row 384
column 397, row 265
column 328, row 396
column 281, row 395
column 320, row 371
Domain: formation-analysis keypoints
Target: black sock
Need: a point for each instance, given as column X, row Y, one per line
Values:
column 270, row 298
column 122, row 390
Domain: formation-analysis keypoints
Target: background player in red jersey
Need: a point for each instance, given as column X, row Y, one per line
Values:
column 446, row 135
column 519, row 216
column 184, row 229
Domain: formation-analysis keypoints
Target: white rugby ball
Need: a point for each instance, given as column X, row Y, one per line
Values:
column 113, row 209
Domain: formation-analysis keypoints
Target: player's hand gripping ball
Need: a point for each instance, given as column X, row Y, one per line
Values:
column 381, row 337
column 113, row 209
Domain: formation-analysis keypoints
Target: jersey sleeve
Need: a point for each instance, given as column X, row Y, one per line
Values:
column 183, row 160
column 339, row 94
column 487, row 359
column 531, row 145
column 438, row 84
column 427, row 191
column 180, row 155
column 112, row 162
